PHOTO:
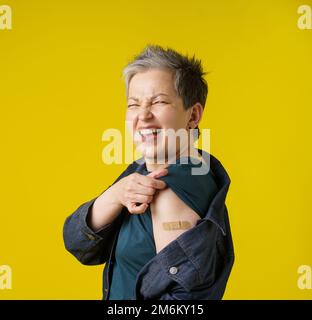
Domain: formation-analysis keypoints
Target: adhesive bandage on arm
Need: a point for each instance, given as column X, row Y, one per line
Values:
column 176, row 225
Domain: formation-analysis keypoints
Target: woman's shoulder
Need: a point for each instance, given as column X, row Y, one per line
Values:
column 193, row 182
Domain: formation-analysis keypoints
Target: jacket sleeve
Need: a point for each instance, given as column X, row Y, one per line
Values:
column 213, row 278
column 204, row 291
column 89, row 247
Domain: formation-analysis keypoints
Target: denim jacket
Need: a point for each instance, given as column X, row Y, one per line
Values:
column 195, row 266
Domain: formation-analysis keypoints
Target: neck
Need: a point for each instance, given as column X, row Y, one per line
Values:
column 151, row 165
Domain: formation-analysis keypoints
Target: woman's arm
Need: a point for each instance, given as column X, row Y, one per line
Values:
column 105, row 209
column 171, row 217
column 89, row 232
column 88, row 246
column 133, row 189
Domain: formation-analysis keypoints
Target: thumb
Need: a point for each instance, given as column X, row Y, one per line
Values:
column 158, row 173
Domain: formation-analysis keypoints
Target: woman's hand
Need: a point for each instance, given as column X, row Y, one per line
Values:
column 136, row 191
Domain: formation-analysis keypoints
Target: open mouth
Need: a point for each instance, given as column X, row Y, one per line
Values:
column 149, row 135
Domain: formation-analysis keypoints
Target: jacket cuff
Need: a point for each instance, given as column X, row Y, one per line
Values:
column 85, row 228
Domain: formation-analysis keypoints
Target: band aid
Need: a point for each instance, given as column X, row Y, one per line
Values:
column 176, row 225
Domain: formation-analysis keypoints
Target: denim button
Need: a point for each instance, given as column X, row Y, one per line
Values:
column 173, row 270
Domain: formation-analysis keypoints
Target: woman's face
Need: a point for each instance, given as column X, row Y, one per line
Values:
column 153, row 103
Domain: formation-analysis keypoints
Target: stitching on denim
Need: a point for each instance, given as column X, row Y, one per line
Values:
column 192, row 260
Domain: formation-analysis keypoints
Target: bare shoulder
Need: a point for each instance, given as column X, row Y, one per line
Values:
column 171, row 217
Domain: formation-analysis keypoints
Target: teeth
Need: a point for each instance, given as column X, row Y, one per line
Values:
column 148, row 131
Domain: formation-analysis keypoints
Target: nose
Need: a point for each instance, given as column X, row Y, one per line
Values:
column 145, row 113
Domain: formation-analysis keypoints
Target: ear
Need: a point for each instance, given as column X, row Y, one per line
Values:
column 195, row 115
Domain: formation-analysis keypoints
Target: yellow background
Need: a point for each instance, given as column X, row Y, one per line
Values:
column 61, row 87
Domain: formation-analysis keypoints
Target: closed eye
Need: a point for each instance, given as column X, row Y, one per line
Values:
column 160, row 102
column 133, row 105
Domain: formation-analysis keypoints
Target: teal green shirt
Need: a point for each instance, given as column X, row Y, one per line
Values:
column 135, row 244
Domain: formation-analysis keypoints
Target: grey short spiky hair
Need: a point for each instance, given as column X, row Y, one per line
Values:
column 188, row 72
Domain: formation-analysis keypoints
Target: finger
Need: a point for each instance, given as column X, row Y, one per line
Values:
column 151, row 182
column 138, row 188
column 158, row 173
column 141, row 198
column 134, row 209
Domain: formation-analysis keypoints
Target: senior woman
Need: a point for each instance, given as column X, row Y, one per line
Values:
column 161, row 230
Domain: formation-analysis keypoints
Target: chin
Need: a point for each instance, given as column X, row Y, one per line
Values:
column 154, row 154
